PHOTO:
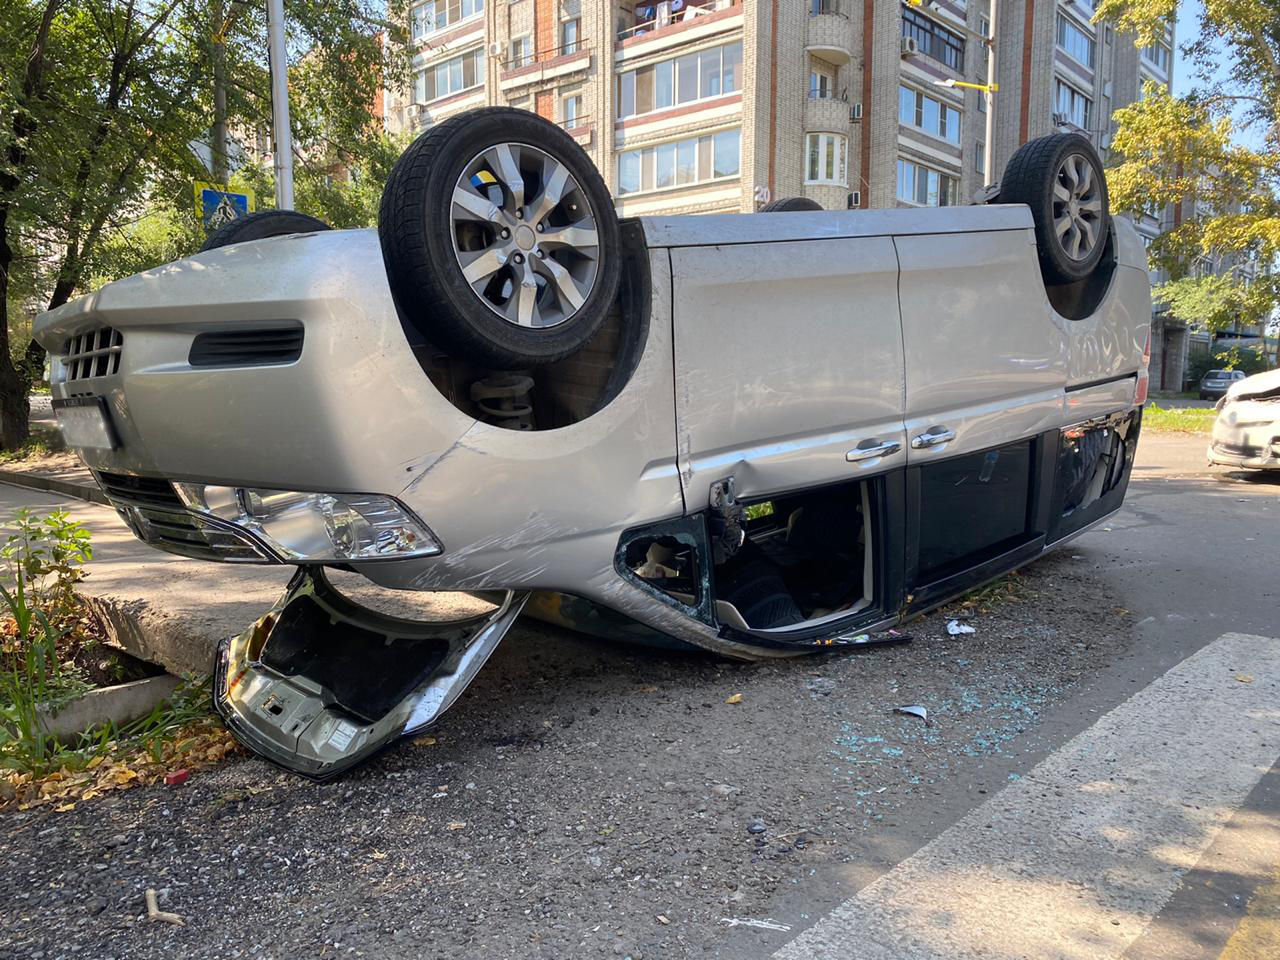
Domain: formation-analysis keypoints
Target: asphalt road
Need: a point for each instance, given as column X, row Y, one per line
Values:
column 1094, row 764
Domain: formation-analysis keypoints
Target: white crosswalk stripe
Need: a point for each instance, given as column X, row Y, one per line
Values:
column 1074, row 860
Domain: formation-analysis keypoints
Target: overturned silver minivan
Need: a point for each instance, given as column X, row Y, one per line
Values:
column 759, row 435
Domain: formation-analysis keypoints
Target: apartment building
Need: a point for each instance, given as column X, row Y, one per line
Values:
column 719, row 105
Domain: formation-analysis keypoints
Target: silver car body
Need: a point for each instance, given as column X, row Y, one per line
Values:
column 1246, row 433
column 924, row 334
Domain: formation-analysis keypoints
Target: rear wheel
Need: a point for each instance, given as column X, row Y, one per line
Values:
column 260, row 226
column 500, row 239
column 1060, row 178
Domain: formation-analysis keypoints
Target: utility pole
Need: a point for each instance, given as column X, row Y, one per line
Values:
column 280, row 104
column 989, row 147
column 218, row 148
column 988, row 90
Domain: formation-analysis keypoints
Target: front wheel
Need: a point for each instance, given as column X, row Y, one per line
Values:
column 1060, row 178
column 500, row 239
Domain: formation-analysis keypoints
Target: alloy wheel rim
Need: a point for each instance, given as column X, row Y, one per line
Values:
column 1077, row 207
column 524, row 235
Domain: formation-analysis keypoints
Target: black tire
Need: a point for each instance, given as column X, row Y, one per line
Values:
column 416, row 229
column 1030, row 178
column 790, row 205
column 260, row 226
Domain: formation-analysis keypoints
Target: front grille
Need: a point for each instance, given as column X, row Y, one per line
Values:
column 156, row 515
column 95, row 353
column 246, row 348
column 1237, row 449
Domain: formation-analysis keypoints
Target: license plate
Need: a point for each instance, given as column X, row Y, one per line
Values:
column 85, row 422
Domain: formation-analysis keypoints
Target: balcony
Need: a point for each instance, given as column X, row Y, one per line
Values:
column 648, row 20
column 549, row 64
column 829, row 113
column 830, row 31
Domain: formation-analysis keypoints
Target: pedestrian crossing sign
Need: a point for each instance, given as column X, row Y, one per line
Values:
column 217, row 205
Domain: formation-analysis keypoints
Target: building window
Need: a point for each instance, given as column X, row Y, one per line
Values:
column 817, row 7
column 980, row 158
column 827, row 159
column 521, row 52
column 923, row 112
column 934, row 40
column 1157, row 55
column 1072, row 104
column 450, row 76
column 822, row 79
column 427, row 18
column 571, row 113
column 680, row 164
column 569, row 36
column 1075, row 42
column 929, row 188
column 695, row 76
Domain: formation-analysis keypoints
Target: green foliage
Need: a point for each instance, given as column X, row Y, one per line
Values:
column 1186, row 150
column 45, row 554
column 1251, row 361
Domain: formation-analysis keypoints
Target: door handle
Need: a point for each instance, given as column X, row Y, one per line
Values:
column 932, row 438
column 877, row 448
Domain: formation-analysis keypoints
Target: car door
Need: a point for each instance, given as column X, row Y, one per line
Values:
column 986, row 369
column 789, row 364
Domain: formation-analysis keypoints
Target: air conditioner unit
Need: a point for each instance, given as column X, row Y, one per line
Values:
column 1105, row 141
column 855, row 199
column 495, row 49
column 856, row 113
column 412, row 110
column 909, row 47
column 1107, row 88
column 1060, row 120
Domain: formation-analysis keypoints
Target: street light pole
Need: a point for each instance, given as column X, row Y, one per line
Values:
column 989, row 148
column 280, row 104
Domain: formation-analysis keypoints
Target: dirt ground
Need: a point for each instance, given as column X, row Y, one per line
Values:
column 582, row 799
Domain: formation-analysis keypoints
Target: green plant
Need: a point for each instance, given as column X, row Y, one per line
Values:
column 45, row 554
column 32, row 678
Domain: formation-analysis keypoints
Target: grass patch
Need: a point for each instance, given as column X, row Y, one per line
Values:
column 1178, row 419
column 1010, row 587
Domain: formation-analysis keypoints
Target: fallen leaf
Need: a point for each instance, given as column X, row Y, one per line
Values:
column 456, row 824
column 377, row 855
column 663, row 920
column 424, row 741
column 65, row 808
column 736, row 698
column 1244, row 678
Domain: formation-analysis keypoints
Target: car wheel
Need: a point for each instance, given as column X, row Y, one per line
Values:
column 790, row 204
column 500, row 239
column 1060, row 178
column 260, row 226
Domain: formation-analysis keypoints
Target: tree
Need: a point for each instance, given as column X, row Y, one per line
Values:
column 1188, row 150
column 99, row 104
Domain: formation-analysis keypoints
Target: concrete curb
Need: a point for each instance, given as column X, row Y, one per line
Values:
column 68, row 488
column 167, row 641
column 120, row 704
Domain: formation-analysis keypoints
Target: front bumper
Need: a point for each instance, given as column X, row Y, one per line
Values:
column 1246, row 435
column 320, row 683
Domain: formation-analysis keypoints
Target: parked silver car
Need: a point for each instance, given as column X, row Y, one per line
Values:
column 759, row 435
column 1215, row 383
column 1246, row 433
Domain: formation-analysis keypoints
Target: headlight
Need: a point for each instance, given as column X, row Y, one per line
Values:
column 317, row 527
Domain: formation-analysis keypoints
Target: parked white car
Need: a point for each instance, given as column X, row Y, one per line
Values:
column 1246, row 433
column 760, row 435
